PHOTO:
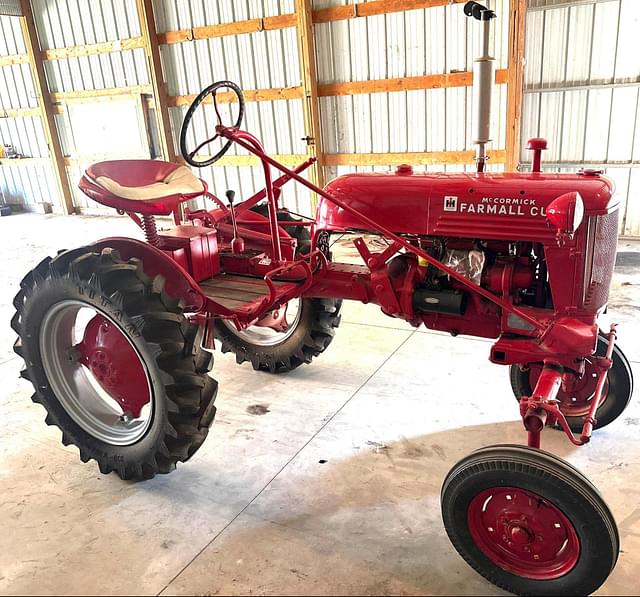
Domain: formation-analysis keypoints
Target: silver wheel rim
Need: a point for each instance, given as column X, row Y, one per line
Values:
column 264, row 336
column 74, row 385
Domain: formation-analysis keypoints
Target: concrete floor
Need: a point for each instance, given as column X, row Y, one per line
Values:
column 334, row 490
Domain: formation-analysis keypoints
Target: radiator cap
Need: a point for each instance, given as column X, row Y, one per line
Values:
column 404, row 170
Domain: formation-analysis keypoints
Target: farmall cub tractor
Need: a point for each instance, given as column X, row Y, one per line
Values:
column 116, row 335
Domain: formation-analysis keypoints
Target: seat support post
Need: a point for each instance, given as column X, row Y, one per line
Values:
column 150, row 230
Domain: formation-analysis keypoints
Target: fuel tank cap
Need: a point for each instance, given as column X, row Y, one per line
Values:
column 591, row 172
column 404, row 170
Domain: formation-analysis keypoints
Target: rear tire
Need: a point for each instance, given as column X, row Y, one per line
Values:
column 300, row 233
column 314, row 328
column 314, row 331
column 181, row 393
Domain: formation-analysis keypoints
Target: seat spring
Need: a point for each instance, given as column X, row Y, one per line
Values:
column 150, row 230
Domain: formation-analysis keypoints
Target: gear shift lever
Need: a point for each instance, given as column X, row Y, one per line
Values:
column 237, row 244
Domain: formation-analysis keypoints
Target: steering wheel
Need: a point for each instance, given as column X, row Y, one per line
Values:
column 211, row 90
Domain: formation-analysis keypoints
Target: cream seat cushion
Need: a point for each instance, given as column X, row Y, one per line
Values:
column 180, row 182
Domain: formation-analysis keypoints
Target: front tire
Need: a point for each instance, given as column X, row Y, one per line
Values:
column 575, row 405
column 137, row 414
column 529, row 522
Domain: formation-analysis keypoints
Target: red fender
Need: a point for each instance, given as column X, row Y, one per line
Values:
column 178, row 282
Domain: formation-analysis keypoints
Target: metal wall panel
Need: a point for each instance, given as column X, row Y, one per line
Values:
column 68, row 23
column 582, row 90
column 259, row 60
column 20, row 183
column 417, row 42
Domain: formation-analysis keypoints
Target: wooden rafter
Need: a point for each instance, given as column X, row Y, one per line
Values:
column 288, row 159
column 515, row 81
column 95, row 94
column 93, row 49
column 414, row 158
column 250, row 95
column 152, row 49
column 223, row 29
column 19, row 112
column 311, row 105
column 375, row 7
column 461, row 79
column 47, row 110
column 14, row 59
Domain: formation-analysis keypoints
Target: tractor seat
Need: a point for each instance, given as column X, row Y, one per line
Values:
column 148, row 187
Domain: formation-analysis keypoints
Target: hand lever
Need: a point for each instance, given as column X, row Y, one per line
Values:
column 237, row 244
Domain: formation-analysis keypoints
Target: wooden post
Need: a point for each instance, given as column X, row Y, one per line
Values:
column 45, row 104
column 515, row 80
column 311, row 107
column 152, row 49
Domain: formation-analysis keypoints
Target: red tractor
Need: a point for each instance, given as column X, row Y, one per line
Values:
column 116, row 336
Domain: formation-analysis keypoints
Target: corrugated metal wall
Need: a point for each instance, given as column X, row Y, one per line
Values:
column 426, row 41
column 418, row 42
column 582, row 91
column 582, row 83
column 32, row 183
column 265, row 59
column 68, row 23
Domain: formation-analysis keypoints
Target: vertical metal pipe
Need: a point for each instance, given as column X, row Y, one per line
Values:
column 483, row 83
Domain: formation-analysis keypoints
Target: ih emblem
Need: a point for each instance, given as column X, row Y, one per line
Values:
column 450, row 203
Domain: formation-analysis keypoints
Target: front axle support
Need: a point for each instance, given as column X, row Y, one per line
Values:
column 541, row 408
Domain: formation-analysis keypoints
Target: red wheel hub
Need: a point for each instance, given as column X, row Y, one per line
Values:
column 575, row 400
column 523, row 533
column 115, row 364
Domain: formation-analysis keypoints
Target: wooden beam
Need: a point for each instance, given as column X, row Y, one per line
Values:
column 96, row 94
column 14, row 162
column 250, row 95
column 288, row 159
column 515, row 81
column 14, row 59
column 20, row 112
column 47, row 112
column 375, row 7
column 311, row 105
column 93, row 49
column 223, row 29
column 428, row 158
column 336, row 13
column 461, row 79
column 152, row 49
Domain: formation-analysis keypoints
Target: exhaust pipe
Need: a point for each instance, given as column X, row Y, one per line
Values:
column 483, row 82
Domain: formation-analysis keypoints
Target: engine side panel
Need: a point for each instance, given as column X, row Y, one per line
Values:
column 497, row 206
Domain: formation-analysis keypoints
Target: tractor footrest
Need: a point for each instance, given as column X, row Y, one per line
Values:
column 243, row 293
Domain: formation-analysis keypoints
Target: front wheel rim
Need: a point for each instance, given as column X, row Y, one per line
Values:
column 523, row 533
column 73, row 375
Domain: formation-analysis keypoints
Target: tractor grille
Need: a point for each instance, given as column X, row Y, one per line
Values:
column 600, row 253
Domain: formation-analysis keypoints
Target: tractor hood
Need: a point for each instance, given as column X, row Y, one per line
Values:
column 499, row 206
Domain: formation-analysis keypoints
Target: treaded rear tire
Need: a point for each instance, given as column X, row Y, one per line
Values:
column 183, row 394
column 314, row 332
